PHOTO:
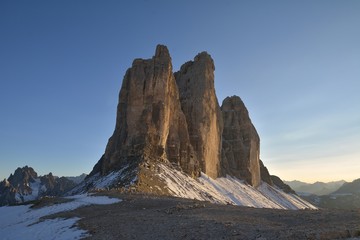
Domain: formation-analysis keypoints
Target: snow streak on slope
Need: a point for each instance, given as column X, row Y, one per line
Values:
column 101, row 182
column 229, row 190
column 36, row 188
column 22, row 222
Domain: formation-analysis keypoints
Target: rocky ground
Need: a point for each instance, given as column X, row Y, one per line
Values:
column 152, row 217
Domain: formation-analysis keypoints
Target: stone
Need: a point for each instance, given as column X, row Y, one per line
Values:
column 25, row 185
column 150, row 125
column 176, row 118
column 201, row 108
column 265, row 175
column 280, row 184
column 240, row 142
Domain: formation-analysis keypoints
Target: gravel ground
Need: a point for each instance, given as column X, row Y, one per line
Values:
column 152, row 217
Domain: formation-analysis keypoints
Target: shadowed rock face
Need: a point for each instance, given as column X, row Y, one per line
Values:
column 265, row 175
column 280, row 184
column 150, row 124
column 201, row 108
column 240, row 142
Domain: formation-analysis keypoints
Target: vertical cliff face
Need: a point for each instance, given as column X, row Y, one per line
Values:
column 200, row 106
column 240, row 142
column 176, row 118
column 150, row 124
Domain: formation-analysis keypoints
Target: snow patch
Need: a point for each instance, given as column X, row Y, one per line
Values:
column 99, row 182
column 35, row 189
column 229, row 190
column 21, row 222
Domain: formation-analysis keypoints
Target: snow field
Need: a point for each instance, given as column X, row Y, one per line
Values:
column 22, row 222
column 230, row 190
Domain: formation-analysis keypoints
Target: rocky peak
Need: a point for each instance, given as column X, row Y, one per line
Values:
column 206, row 59
column 201, row 108
column 150, row 125
column 176, row 118
column 22, row 176
column 240, row 142
column 162, row 52
column 25, row 185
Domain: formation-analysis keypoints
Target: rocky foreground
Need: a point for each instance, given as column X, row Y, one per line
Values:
column 153, row 217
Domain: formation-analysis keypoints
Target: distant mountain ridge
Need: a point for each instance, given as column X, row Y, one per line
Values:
column 25, row 185
column 349, row 188
column 345, row 197
column 317, row 188
column 78, row 179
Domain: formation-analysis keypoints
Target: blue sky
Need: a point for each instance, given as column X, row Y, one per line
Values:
column 295, row 64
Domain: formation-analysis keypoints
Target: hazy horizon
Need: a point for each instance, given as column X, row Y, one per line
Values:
column 296, row 66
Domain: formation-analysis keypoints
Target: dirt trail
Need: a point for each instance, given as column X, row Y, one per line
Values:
column 150, row 217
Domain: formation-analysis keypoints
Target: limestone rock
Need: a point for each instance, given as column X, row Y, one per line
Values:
column 176, row 118
column 201, row 108
column 240, row 142
column 280, row 184
column 265, row 175
column 150, row 125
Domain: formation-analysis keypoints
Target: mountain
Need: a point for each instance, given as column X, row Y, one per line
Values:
column 173, row 138
column 295, row 184
column 25, row 185
column 78, row 179
column 345, row 197
column 317, row 188
column 349, row 188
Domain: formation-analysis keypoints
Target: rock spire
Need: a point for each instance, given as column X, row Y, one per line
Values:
column 176, row 118
column 150, row 124
column 201, row 108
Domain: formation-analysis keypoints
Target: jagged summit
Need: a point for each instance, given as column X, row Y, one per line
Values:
column 25, row 185
column 241, row 142
column 199, row 103
column 162, row 52
column 150, row 125
column 176, row 118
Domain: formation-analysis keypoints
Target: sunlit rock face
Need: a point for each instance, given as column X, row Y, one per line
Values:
column 150, row 124
column 201, row 108
column 240, row 142
column 176, row 118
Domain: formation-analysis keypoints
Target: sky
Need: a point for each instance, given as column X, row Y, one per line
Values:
column 295, row 64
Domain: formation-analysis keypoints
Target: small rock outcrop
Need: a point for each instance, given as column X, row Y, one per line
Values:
column 240, row 142
column 201, row 108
